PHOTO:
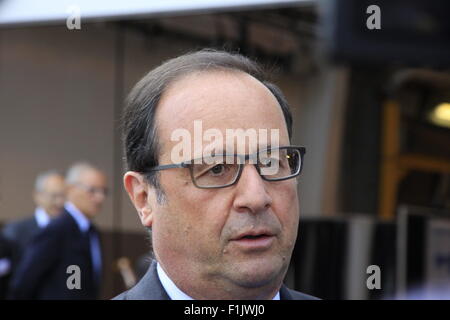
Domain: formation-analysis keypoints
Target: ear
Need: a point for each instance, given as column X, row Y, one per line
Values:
column 137, row 189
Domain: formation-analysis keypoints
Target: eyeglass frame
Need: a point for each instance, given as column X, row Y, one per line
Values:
column 243, row 160
column 92, row 191
column 53, row 195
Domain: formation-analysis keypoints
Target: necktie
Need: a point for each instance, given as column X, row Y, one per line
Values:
column 94, row 245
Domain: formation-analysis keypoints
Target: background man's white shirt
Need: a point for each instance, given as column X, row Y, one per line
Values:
column 42, row 217
column 84, row 224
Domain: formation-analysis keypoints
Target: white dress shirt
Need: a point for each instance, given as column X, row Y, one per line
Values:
column 174, row 292
column 84, row 224
column 5, row 266
column 42, row 217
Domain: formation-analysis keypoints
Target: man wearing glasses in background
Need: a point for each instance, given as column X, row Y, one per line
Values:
column 222, row 225
column 69, row 240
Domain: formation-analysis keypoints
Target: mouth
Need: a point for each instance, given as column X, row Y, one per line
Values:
column 254, row 240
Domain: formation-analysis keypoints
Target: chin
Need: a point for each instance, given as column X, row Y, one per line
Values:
column 253, row 274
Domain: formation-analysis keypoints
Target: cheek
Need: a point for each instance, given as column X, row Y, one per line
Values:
column 195, row 215
column 286, row 206
column 78, row 196
column 203, row 214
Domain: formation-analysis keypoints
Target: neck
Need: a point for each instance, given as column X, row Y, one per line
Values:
column 216, row 288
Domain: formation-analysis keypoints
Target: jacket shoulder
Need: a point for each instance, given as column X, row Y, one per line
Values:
column 148, row 288
column 297, row 295
column 63, row 223
column 122, row 296
column 13, row 229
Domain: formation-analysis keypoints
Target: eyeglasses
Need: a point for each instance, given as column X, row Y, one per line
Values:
column 54, row 196
column 224, row 170
column 93, row 190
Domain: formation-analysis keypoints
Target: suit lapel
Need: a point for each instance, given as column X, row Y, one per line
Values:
column 284, row 293
column 33, row 225
column 149, row 287
column 73, row 224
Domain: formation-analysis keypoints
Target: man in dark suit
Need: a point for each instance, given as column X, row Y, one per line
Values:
column 5, row 266
column 49, row 196
column 223, row 223
column 64, row 260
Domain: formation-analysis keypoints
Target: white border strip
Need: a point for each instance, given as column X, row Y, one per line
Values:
column 47, row 11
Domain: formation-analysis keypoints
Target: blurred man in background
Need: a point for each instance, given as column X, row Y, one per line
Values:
column 49, row 196
column 70, row 243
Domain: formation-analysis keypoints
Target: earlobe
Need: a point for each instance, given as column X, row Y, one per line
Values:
column 146, row 216
column 137, row 190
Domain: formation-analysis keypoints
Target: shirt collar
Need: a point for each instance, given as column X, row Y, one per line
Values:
column 81, row 220
column 42, row 217
column 174, row 292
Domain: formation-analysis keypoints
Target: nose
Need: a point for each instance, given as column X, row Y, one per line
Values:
column 251, row 194
column 99, row 197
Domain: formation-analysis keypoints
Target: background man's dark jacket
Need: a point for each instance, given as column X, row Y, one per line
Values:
column 19, row 234
column 150, row 288
column 5, row 253
column 42, row 272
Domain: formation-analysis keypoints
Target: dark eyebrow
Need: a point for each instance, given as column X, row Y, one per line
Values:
column 223, row 152
column 269, row 146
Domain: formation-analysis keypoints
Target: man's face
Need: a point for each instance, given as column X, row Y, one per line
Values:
column 52, row 197
column 197, row 232
column 89, row 193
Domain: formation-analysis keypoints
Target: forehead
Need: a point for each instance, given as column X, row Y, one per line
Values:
column 221, row 100
column 54, row 181
column 92, row 177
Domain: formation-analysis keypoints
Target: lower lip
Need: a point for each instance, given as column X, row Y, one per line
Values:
column 253, row 244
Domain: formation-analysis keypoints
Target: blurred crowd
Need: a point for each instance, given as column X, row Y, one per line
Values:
column 55, row 252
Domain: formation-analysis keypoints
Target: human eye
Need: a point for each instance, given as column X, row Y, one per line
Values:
column 270, row 161
column 217, row 170
column 210, row 168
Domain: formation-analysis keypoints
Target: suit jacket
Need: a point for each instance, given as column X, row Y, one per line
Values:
column 5, row 255
column 43, row 271
column 150, row 288
column 19, row 235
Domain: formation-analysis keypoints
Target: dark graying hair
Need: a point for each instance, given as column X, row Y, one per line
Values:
column 140, row 136
column 76, row 170
column 42, row 178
